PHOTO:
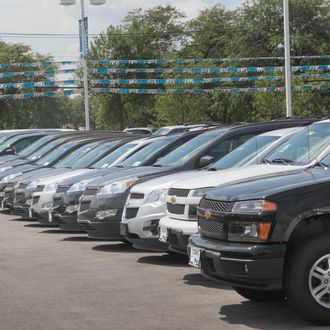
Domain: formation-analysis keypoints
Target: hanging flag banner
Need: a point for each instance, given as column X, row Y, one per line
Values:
column 209, row 91
column 160, row 61
column 181, row 81
column 83, row 25
column 214, row 70
column 47, row 84
column 24, row 96
column 37, row 73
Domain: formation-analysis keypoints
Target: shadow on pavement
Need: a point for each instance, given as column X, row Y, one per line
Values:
column 198, row 279
column 38, row 225
column 115, row 247
column 78, row 239
column 55, row 231
column 177, row 260
column 263, row 316
column 23, row 220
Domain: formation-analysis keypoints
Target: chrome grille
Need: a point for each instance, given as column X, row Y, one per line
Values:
column 175, row 208
column 212, row 226
column 40, row 188
column 131, row 212
column 136, row 196
column 62, row 189
column 90, row 191
column 212, row 205
column 35, row 199
column 84, row 206
column 22, row 185
column 178, row 192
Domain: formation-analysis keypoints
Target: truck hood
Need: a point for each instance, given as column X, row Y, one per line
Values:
column 267, row 187
column 205, row 179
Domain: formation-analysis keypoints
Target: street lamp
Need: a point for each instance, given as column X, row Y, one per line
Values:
column 84, row 37
column 287, row 58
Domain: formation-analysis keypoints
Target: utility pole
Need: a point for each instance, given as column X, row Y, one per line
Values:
column 288, row 86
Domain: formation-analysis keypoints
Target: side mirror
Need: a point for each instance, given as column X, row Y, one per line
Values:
column 9, row 151
column 205, row 161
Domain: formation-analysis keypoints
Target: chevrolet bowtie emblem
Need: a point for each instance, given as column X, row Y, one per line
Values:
column 207, row 214
column 173, row 200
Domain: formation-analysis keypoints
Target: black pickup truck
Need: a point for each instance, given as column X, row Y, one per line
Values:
column 270, row 239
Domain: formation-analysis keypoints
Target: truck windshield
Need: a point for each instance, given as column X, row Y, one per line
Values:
column 146, row 153
column 245, row 152
column 180, row 155
column 304, row 147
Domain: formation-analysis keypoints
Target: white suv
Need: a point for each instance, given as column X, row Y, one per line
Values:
column 146, row 204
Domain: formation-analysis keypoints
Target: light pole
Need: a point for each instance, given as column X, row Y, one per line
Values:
column 287, row 58
column 84, row 37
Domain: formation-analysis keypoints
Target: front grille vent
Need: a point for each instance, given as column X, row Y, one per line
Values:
column 131, row 212
column 40, row 188
column 175, row 208
column 212, row 205
column 90, row 191
column 136, row 196
column 179, row 192
column 62, row 189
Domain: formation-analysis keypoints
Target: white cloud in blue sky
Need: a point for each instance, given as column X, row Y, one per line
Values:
column 47, row 16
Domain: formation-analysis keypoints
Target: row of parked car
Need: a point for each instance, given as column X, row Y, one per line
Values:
column 249, row 204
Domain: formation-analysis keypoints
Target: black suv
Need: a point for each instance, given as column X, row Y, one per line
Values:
column 270, row 239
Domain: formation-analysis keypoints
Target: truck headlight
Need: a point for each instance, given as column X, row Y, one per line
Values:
column 51, row 188
column 117, row 187
column 254, row 207
column 80, row 186
column 200, row 192
column 32, row 185
column 158, row 195
column 248, row 231
column 7, row 178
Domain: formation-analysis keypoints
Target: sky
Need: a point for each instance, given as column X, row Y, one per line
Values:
column 47, row 16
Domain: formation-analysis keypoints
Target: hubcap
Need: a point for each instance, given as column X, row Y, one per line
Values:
column 319, row 281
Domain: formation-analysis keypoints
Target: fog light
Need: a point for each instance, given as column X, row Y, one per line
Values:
column 47, row 206
column 72, row 208
column 106, row 213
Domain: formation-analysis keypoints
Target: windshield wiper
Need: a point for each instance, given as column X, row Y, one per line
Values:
column 320, row 164
column 214, row 169
column 265, row 161
column 157, row 165
column 284, row 161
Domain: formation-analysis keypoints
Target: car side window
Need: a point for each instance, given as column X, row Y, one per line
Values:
column 24, row 143
column 225, row 146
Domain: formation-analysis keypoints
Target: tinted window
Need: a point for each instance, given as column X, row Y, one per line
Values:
column 113, row 156
column 24, row 143
column 162, row 131
column 245, row 152
column 87, row 159
column 303, row 147
column 34, row 146
column 46, row 148
column 70, row 159
column 180, row 155
column 147, row 152
column 55, row 154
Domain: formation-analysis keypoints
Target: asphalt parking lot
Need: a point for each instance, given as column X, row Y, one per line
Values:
column 55, row 280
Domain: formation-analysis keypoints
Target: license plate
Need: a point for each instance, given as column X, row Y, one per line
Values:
column 163, row 234
column 30, row 213
column 195, row 257
column 50, row 216
column 123, row 229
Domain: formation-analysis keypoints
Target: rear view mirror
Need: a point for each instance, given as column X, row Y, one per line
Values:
column 206, row 161
column 9, row 151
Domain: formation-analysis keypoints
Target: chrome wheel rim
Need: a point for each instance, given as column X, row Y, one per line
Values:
column 319, row 281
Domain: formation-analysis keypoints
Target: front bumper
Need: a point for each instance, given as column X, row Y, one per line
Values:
column 178, row 233
column 105, row 228
column 255, row 266
column 67, row 222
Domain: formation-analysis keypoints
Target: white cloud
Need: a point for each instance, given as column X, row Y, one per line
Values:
column 47, row 16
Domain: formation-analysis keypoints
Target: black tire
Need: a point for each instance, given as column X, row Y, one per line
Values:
column 297, row 282
column 260, row 296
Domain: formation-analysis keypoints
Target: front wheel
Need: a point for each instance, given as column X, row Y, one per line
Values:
column 260, row 296
column 307, row 280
